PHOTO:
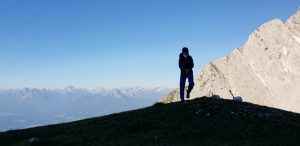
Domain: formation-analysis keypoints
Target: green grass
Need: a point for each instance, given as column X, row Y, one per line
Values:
column 203, row 121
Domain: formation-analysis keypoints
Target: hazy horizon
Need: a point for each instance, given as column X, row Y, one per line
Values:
column 25, row 108
column 87, row 88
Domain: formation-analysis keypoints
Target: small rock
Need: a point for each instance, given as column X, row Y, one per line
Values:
column 216, row 97
column 237, row 98
column 33, row 140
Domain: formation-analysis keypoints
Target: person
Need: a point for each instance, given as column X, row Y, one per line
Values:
column 186, row 65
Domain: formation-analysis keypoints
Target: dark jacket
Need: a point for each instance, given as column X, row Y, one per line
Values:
column 185, row 63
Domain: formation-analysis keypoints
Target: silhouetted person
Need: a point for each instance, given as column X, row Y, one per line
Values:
column 186, row 65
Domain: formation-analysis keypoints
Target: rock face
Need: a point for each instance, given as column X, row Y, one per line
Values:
column 265, row 71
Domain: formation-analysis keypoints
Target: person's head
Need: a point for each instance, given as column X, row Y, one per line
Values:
column 185, row 51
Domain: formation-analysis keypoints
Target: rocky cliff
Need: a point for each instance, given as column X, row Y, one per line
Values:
column 265, row 71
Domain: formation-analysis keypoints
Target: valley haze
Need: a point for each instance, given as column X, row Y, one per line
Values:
column 30, row 107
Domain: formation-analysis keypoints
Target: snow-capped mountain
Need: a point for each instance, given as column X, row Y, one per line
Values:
column 21, row 108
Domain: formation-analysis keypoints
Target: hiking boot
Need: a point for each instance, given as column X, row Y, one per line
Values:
column 188, row 95
column 182, row 101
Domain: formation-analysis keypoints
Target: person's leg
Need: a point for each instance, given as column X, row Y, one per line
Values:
column 191, row 83
column 182, row 85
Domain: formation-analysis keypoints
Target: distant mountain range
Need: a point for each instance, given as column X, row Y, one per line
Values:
column 22, row 108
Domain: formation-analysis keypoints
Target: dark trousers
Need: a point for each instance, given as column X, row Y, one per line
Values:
column 190, row 78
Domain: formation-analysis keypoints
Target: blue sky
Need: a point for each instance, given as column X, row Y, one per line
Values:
column 118, row 43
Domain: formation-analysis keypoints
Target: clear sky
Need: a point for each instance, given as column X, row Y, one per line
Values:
column 121, row 43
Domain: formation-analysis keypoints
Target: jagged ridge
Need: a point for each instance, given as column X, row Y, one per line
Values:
column 264, row 71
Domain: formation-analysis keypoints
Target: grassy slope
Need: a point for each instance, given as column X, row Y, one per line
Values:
column 203, row 121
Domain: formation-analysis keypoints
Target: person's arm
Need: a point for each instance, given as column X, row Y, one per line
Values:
column 192, row 62
column 180, row 63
